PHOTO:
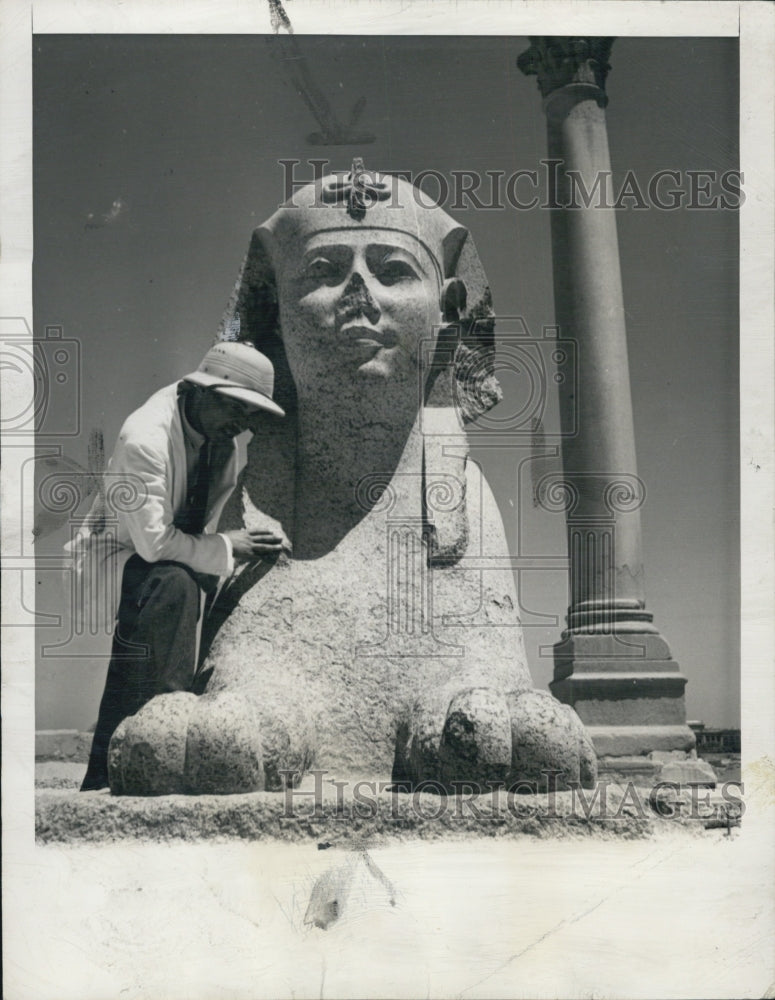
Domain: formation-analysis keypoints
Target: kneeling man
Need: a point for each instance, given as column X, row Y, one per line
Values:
column 182, row 452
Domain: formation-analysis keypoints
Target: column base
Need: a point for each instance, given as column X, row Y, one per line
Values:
column 626, row 689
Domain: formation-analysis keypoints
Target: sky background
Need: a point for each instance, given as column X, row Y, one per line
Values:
column 184, row 133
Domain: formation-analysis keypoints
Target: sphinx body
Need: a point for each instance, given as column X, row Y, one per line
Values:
column 386, row 642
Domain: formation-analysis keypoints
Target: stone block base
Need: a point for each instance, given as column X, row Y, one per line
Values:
column 635, row 741
column 641, row 771
column 675, row 767
column 692, row 771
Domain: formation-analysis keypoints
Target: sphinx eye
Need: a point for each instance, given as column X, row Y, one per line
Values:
column 391, row 270
column 323, row 271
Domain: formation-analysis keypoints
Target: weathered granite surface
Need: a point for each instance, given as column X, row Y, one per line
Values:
column 99, row 817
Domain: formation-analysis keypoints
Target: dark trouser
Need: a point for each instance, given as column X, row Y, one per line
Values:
column 154, row 649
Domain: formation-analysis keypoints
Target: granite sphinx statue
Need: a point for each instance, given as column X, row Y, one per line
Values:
column 386, row 642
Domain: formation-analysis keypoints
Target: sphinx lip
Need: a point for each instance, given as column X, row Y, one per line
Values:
column 366, row 336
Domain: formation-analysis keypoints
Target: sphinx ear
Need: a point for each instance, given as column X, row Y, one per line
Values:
column 453, row 299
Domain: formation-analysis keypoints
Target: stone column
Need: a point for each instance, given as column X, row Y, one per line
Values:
column 611, row 665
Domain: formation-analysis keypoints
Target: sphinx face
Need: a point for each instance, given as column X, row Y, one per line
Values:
column 357, row 307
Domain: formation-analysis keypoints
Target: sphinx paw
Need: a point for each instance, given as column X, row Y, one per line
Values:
column 457, row 736
column 550, row 747
column 181, row 744
column 475, row 743
column 486, row 737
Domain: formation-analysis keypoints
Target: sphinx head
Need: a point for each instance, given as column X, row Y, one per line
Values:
column 357, row 281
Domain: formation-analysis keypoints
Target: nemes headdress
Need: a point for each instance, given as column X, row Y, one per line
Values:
column 364, row 199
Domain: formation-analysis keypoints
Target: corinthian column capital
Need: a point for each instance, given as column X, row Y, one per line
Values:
column 558, row 61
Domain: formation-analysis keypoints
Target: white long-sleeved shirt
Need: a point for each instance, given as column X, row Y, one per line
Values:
column 145, row 488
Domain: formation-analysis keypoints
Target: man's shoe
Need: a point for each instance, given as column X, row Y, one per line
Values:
column 93, row 782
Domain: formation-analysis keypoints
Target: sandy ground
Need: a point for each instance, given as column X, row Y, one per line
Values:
column 673, row 915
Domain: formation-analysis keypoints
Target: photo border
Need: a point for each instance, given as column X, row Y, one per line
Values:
column 753, row 21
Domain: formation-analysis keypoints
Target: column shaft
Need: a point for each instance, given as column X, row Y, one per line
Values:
column 599, row 460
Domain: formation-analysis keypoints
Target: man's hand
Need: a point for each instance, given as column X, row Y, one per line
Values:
column 248, row 543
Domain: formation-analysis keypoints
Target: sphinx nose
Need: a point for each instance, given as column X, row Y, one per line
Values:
column 357, row 300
